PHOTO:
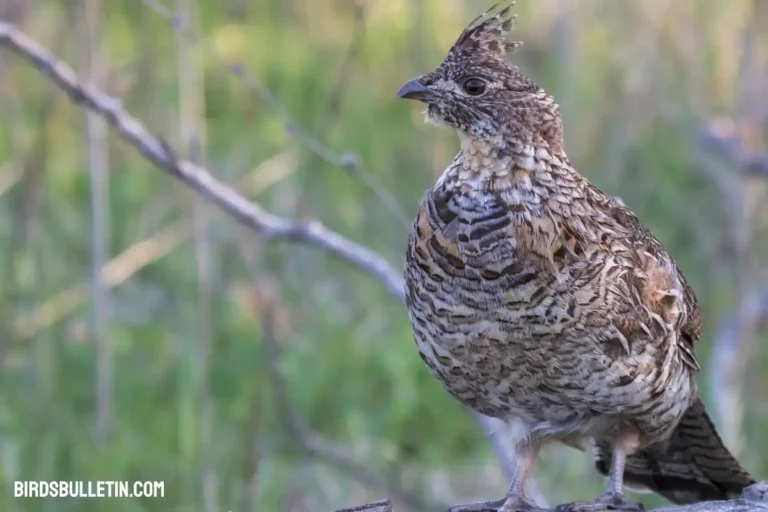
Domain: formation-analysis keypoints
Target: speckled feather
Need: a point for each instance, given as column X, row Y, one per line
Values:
column 694, row 465
column 535, row 297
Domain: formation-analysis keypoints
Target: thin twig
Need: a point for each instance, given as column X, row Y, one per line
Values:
column 115, row 272
column 728, row 354
column 140, row 254
column 735, row 339
column 376, row 506
column 748, row 164
column 314, row 444
column 346, row 160
column 98, row 165
column 158, row 152
column 192, row 139
column 30, row 165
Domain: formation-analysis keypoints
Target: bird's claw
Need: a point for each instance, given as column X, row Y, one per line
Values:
column 484, row 506
column 619, row 502
column 502, row 505
column 606, row 501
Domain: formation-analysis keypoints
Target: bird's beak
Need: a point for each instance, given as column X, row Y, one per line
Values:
column 412, row 90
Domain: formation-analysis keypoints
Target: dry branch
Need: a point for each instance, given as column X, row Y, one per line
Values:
column 142, row 253
column 98, row 167
column 376, row 506
column 310, row 442
column 734, row 339
column 754, row 498
column 157, row 151
column 741, row 180
column 719, row 137
column 347, row 160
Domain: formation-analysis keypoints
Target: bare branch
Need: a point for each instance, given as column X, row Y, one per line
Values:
column 376, row 506
column 753, row 499
column 98, row 166
column 729, row 355
column 735, row 339
column 347, row 160
column 26, row 170
column 192, row 134
column 159, row 153
column 712, row 136
column 140, row 254
column 314, row 444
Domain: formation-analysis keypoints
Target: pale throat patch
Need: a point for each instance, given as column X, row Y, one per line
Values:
column 484, row 157
column 431, row 118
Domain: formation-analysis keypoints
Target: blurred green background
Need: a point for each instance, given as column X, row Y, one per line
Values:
column 165, row 367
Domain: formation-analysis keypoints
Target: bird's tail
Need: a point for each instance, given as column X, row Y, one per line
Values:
column 695, row 466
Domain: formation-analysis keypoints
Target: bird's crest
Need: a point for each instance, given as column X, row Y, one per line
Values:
column 486, row 35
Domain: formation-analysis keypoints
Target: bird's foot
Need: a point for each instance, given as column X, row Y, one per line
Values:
column 509, row 504
column 485, row 506
column 606, row 501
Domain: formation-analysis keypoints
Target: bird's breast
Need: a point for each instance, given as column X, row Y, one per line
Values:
column 467, row 278
column 505, row 313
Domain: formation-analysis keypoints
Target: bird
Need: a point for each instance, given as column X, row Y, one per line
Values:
column 536, row 298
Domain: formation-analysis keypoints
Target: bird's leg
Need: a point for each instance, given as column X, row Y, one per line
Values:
column 514, row 500
column 616, row 478
column 613, row 498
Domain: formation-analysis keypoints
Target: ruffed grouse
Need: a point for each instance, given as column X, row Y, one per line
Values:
column 538, row 299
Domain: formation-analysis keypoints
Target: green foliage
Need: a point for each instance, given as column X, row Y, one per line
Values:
column 632, row 101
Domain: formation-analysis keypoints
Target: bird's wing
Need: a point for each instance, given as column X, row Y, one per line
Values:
column 592, row 221
column 643, row 242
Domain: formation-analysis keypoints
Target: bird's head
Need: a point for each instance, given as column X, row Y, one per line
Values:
column 479, row 93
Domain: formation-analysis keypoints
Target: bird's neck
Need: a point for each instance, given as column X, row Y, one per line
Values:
column 482, row 159
column 525, row 175
column 524, row 156
column 531, row 120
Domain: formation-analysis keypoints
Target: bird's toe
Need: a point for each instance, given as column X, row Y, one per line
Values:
column 604, row 502
column 483, row 506
column 503, row 505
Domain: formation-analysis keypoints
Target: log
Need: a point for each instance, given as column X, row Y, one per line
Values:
column 753, row 499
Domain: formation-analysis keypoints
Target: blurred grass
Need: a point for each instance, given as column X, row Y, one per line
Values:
column 635, row 81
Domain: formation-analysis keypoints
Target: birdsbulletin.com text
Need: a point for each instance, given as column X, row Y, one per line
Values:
column 88, row 489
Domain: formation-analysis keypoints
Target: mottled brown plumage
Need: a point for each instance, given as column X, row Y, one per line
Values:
column 694, row 465
column 536, row 298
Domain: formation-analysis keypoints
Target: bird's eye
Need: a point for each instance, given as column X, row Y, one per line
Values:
column 474, row 86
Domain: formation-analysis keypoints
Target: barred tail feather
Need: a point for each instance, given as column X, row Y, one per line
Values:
column 695, row 466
